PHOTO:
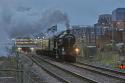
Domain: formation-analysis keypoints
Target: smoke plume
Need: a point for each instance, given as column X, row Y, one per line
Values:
column 54, row 17
column 26, row 24
column 23, row 21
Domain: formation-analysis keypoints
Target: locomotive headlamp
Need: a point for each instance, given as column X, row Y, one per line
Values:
column 77, row 50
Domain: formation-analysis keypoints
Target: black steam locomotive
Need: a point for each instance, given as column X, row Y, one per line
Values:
column 61, row 47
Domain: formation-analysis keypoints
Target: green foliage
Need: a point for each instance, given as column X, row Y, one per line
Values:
column 107, row 58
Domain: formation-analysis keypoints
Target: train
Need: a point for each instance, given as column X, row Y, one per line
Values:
column 61, row 47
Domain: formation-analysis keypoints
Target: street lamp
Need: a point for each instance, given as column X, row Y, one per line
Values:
column 43, row 37
column 32, row 49
column 19, row 49
column 16, row 52
column 38, row 37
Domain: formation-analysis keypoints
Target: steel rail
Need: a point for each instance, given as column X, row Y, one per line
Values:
column 73, row 73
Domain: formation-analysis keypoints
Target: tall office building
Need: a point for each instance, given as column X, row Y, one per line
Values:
column 118, row 23
column 118, row 18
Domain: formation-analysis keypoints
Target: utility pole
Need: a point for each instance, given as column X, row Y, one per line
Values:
column 95, row 34
column 113, row 41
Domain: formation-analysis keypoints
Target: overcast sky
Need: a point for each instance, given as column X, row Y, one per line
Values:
column 81, row 12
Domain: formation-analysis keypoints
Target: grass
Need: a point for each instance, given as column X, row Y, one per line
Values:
column 107, row 58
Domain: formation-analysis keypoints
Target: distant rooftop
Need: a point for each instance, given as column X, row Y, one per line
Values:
column 119, row 9
column 118, row 14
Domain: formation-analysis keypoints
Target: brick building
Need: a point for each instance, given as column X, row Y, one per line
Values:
column 118, row 23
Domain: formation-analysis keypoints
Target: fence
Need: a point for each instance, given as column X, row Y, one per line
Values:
column 7, row 80
column 18, row 76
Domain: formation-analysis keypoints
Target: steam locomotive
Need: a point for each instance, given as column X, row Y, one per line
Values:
column 61, row 47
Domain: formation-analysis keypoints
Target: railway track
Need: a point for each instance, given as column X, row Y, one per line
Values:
column 105, row 71
column 61, row 73
column 97, row 75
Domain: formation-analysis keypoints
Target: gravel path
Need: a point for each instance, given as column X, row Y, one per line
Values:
column 43, row 75
column 62, row 73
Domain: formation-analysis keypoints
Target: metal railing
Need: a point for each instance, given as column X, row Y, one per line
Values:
column 8, row 76
column 18, row 76
column 7, row 80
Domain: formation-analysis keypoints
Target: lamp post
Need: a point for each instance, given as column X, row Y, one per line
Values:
column 83, row 41
column 16, row 52
column 18, row 63
column 42, row 41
